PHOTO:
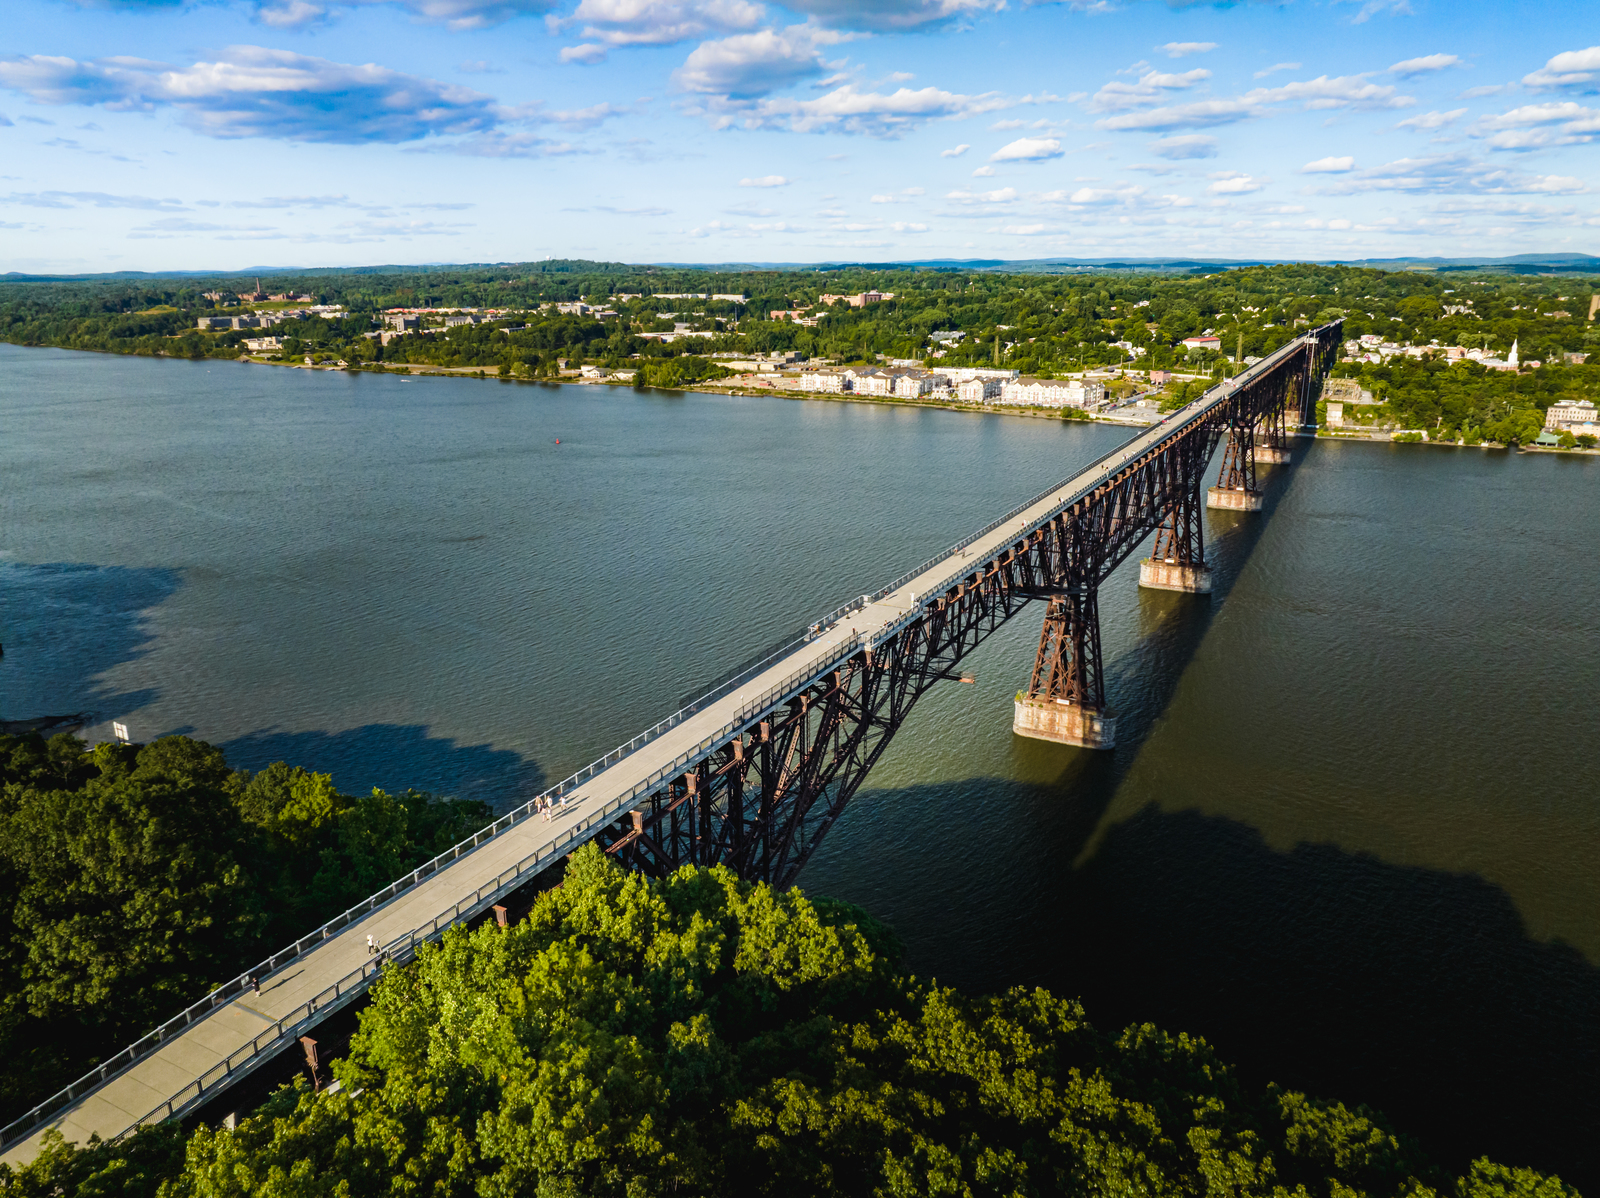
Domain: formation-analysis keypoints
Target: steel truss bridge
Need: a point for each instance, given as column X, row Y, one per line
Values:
column 752, row 773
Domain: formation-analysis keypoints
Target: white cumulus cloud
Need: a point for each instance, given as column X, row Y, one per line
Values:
column 755, row 64
column 456, row 14
column 1028, row 149
column 765, row 181
column 847, row 109
column 1235, row 183
column 891, row 16
column 955, row 153
column 1424, row 65
column 1577, row 70
column 1200, row 114
column 1329, row 166
column 1180, row 49
column 1153, row 86
column 588, row 53
column 1089, row 196
column 1432, row 120
column 659, row 22
column 251, row 91
column 1537, row 126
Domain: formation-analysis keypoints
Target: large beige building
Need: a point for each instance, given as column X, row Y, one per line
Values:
column 857, row 301
column 827, row 381
column 1052, row 393
column 1572, row 416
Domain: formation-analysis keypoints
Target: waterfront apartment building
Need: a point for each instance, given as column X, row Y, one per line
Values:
column 831, row 382
column 1052, row 393
column 903, row 383
column 960, row 374
column 1572, row 416
column 872, row 382
column 979, row 390
column 912, row 384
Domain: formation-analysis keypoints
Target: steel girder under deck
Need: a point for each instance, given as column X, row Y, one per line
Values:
column 763, row 801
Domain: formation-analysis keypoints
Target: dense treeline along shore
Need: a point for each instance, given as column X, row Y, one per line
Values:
column 667, row 325
column 698, row 1035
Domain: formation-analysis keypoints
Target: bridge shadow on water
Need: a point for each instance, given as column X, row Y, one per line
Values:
column 1415, row 991
column 64, row 625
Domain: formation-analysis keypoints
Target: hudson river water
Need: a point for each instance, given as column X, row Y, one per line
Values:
column 1351, row 832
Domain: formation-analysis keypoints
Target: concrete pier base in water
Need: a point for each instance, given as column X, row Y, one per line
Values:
column 1065, row 723
column 1267, row 455
column 1228, row 500
column 1174, row 576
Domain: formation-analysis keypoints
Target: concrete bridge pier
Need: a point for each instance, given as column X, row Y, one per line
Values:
column 1065, row 701
column 1178, row 562
column 1169, row 574
column 1064, row 722
column 1233, row 499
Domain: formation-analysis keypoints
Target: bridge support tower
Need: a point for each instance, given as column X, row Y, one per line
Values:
column 1178, row 561
column 1065, row 701
column 1272, row 437
column 1236, row 489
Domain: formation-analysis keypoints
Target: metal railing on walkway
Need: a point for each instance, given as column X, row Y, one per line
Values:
column 403, row 948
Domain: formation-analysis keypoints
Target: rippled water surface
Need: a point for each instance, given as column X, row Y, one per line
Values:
column 1351, row 832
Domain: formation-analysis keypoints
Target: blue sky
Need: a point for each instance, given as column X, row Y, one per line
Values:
column 174, row 134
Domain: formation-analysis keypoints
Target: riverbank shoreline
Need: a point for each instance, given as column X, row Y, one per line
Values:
column 714, row 387
column 1386, row 438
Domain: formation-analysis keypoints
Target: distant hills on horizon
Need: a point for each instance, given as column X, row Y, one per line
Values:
column 1513, row 264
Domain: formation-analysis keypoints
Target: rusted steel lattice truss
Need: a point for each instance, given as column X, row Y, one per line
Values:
column 762, row 802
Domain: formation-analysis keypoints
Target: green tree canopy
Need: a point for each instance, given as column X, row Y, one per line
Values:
column 707, row 1036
